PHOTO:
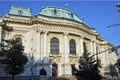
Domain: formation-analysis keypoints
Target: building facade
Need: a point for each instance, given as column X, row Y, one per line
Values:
column 54, row 39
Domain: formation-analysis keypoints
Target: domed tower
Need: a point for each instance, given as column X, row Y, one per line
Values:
column 60, row 13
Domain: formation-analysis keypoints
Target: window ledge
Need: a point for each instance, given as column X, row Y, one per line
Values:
column 73, row 55
column 54, row 54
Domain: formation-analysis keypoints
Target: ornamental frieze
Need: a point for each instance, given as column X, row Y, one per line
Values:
column 73, row 60
column 55, row 59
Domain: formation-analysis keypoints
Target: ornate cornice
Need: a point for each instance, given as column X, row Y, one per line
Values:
column 43, row 20
column 61, row 22
column 15, row 21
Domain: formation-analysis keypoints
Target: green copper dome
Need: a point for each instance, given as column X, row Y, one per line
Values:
column 16, row 10
column 60, row 12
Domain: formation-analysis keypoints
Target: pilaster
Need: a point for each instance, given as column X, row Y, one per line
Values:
column 66, row 54
column 38, row 35
column 81, row 45
column 94, row 47
column 91, row 47
column 45, row 42
column 66, row 65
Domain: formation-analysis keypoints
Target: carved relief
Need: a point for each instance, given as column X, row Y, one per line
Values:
column 74, row 60
column 55, row 59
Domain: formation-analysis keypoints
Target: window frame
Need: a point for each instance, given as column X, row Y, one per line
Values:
column 72, row 46
column 54, row 45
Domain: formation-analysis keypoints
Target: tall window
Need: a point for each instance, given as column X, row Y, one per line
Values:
column 84, row 46
column 72, row 46
column 54, row 45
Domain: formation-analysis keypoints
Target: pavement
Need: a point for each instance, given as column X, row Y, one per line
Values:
column 111, row 79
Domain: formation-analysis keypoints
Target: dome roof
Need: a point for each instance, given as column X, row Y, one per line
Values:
column 21, row 11
column 60, row 12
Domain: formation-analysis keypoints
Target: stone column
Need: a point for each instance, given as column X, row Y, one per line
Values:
column 59, row 69
column 66, row 63
column 45, row 46
column 81, row 45
column 38, row 32
column 94, row 50
column 94, row 47
column 65, row 46
column 91, row 47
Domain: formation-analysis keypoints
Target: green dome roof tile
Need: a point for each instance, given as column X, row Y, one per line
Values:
column 60, row 12
column 16, row 10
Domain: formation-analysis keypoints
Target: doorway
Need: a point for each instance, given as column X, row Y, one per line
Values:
column 54, row 70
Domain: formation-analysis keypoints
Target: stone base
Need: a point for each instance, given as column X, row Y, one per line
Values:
column 44, row 77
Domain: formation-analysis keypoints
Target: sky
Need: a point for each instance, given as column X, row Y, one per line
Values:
column 97, row 13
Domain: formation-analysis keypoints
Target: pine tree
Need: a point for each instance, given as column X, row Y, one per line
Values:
column 117, row 64
column 88, row 67
column 12, row 55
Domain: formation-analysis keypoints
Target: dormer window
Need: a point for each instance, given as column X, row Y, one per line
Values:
column 55, row 11
column 71, row 15
column 20, row 12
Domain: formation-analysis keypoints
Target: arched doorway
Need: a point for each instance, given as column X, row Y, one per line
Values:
column 43, row 72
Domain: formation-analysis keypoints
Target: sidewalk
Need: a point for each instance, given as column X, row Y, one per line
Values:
column 111, row 79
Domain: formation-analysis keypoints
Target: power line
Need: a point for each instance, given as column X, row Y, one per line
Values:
column 114, row 25
column 110, row 49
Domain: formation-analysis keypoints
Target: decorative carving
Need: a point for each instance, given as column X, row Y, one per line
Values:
column 55, row 55
column 74, row 60
column 37, row 30
column 73, row 55
column 66, row 33
column 46, row 31
column 55, row 59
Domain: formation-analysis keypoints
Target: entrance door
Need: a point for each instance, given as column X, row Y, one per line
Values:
column 54, row 70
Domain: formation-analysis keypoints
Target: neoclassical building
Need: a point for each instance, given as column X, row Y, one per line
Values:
column 54, row 39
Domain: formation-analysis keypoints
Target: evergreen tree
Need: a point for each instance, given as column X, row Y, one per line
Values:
column 12, row 55
column 113, row 71
column 117, row 64
column 88, row 67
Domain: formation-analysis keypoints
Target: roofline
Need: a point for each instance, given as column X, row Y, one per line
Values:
column 59, row 8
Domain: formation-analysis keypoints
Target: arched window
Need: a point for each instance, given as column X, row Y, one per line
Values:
column 54, row 45
column 18, row 39
column 72, row 46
